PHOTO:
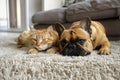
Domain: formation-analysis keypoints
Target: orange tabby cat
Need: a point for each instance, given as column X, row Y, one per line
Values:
column 39, row 40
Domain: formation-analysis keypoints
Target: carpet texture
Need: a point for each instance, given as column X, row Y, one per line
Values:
column 15, row 64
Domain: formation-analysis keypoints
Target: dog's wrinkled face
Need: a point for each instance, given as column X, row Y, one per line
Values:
column 74, row 41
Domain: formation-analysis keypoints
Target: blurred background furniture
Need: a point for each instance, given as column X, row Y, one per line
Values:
column 107, row 12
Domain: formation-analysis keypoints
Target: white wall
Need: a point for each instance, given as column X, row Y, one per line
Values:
column 52, row 4
column 3, row 14
column 34, row 6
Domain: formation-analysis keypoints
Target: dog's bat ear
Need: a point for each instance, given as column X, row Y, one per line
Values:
column 85, row 24
column 59, row 28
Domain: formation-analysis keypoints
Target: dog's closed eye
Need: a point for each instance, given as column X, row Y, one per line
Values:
column 80, row 41
column 64, row 42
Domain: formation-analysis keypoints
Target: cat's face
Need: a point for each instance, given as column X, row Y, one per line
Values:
column 44, row 39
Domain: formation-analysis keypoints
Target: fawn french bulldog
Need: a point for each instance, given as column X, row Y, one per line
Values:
column 82, row 38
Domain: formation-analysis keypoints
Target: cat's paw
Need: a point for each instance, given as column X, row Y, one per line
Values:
column 51, row 51
column 19, row 46
column 33, row 51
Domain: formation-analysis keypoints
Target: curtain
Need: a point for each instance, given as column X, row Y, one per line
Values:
column 13, row 13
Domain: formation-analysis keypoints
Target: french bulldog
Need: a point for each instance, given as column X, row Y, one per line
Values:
column 82, row 37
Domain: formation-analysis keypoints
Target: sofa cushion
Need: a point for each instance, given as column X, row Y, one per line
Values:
column 49, row 17
column 94, row 9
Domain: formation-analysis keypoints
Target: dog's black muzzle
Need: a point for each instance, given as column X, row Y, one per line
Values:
column 73, row 49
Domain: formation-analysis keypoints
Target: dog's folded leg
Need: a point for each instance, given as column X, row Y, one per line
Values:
column 105, row 48
column 88, row 47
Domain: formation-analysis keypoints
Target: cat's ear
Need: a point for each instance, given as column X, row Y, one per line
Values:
column 32, row 29
column 50, row 30
column 59, row 28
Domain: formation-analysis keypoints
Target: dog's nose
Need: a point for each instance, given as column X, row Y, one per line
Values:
column 71, row 46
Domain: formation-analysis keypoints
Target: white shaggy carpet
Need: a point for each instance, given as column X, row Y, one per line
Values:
column 15, row 64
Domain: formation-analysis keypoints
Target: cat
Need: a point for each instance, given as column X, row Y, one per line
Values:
column 39, row 40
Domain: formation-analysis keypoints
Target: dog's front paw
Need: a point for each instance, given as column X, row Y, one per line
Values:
column 33, row 51
column 104, row 50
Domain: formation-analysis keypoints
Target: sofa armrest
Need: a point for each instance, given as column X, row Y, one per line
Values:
column 50, row 16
